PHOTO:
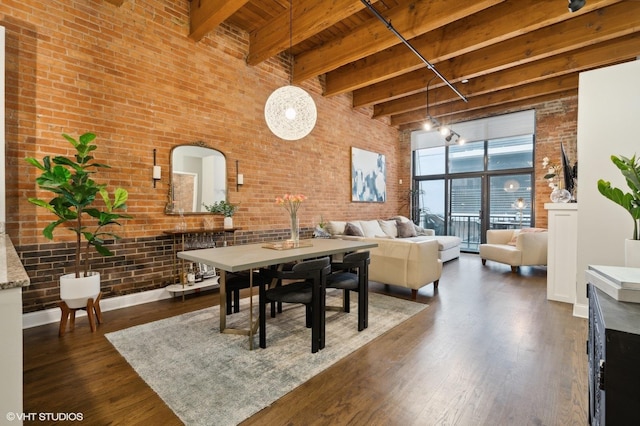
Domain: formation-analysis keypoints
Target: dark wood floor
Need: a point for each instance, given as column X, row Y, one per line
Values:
column 489, row 350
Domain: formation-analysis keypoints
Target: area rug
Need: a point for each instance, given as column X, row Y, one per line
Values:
column 209, row 378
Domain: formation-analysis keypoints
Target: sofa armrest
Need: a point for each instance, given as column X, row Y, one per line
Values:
column 533, row 246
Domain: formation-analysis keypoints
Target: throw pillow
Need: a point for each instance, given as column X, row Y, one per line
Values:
column 514, row 238
column 336, row 227
column 351, row 229
column 371, row 228
column 389, row 227
column 406, row 230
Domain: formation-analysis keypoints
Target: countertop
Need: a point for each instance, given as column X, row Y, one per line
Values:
column 12, row 273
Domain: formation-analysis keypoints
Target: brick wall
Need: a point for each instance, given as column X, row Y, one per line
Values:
column 131, row 75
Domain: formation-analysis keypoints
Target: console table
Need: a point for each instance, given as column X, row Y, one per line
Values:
column 190, row 239
column 614, row 359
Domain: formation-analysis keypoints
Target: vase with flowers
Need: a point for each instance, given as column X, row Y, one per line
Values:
column 558, row 193
column 291, row 203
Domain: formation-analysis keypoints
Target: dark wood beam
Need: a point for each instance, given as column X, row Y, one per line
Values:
column 206, row 15
column 507, row 20
column 411, row 18
column 309, row 18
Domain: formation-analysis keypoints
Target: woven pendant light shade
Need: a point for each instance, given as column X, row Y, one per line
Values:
column 290, row 113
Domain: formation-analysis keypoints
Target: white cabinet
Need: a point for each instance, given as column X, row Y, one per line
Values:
column 562, row 251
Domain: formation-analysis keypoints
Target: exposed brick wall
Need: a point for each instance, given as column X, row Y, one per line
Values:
column 131, row 75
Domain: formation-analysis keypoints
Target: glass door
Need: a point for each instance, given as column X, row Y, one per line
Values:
column 465, row 208
column 509, row 201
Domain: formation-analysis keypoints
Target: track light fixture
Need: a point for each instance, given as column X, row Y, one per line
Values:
column 576, row 5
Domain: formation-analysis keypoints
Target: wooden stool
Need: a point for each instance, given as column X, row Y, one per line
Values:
column 92, row 308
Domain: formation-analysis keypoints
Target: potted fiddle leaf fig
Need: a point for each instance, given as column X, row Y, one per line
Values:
column 70, row 180
column 630, row 201
column 224, row 208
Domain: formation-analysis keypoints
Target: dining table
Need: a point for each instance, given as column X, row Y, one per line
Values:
column 247, row 257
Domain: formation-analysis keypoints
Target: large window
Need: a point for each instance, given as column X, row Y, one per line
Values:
column 466, row 189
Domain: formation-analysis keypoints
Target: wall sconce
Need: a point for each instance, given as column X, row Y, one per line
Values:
column 239, row 178
column 157, row 170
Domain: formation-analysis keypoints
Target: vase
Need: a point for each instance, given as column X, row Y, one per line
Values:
column 632, row 253
column 76, row 291
column 559, row 195
column 295, row 229
column 228, row 222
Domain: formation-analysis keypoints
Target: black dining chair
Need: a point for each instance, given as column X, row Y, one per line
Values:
column 352, row 274
column 308, row 289
column 236, row 281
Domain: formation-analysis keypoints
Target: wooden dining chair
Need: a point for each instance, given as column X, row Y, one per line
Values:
column 352, row 274
column 307, row 288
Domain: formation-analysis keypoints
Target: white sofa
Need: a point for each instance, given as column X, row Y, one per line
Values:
column 448, row 246
column 411, row 262
column 516, row 248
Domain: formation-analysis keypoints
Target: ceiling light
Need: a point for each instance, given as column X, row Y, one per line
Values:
column 427, row 125
column 444, row 131
column 576, row 5
column 290, row 112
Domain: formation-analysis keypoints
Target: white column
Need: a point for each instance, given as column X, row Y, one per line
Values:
column 562, row 251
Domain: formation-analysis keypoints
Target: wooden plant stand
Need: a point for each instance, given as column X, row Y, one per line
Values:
column 92, row 308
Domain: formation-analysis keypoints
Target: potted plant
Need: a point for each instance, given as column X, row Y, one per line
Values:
column 224, row 208
column 74, row 193
column 630, row 201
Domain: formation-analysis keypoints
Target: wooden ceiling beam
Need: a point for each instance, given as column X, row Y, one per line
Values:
column 411, row 18
column 205, row 15
column 527, row 91
column 531, row 47
column 508, row 20
column 309, row 18
column 620, row 49
column 513, row 106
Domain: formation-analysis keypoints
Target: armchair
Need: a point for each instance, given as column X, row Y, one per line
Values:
column 521, row 247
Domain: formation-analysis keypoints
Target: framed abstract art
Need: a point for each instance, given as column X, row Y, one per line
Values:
column 368, row 176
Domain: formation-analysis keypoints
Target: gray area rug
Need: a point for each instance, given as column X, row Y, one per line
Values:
column 209, row 378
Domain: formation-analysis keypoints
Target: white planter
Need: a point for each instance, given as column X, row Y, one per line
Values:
column 76, row 291
column 632, row 253
column 228, row 222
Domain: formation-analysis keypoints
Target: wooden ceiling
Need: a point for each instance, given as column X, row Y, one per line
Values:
column 512, row 52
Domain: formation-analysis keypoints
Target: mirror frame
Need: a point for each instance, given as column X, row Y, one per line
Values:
column 169, row 209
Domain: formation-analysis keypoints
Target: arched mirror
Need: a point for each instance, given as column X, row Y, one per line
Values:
column 198, row 176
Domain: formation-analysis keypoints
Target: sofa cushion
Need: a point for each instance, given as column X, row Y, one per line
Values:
column 336, row 227
column 353, row 229
column 371, row 228
column 389, row 227
column 406, row 229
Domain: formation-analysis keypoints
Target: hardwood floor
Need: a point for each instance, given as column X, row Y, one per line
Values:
column 489, row 350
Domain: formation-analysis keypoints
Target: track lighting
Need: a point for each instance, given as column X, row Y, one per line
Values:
column 576, row 5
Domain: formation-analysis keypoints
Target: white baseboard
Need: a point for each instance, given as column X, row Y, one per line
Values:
column 581, row 311
column 34, row 319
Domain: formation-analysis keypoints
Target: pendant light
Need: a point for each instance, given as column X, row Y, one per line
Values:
column 290, row 112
